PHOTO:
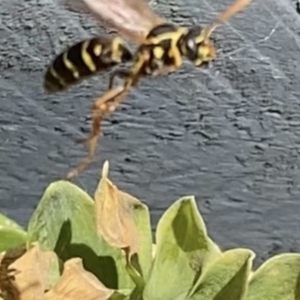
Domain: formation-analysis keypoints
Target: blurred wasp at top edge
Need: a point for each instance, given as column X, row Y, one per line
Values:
column 298, row 6
column 162, row 46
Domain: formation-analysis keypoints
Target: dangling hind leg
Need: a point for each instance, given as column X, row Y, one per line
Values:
column 91, row 140
column 102, row 107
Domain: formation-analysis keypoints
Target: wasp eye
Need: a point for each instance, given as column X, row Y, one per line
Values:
column 191, row 45
column 192, row 40
column 191, row 49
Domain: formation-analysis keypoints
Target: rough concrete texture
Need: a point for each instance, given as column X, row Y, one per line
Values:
column 229, row 135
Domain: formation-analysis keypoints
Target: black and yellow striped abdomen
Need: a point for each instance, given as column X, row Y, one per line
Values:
column 84, row 59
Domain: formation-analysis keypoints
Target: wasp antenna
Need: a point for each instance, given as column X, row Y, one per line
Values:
column 232, row 10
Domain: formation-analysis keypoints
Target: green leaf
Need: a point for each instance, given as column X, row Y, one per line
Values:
column 119, row 296
column 143, row 224
column 277, row 279
column 11, row 234
column 226, row 278
column 64, row 221
column 54, row 272
column 183, row 252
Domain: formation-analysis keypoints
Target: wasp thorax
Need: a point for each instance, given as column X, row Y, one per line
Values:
column 196, row 47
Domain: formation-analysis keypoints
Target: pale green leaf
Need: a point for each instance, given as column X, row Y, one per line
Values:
column 277, row 279
column 11, row 234
column 226, row 278
column 183, row 250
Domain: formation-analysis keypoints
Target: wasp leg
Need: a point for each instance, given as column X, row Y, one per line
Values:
column 118, row 73
column 102, row 107
column 91, row 154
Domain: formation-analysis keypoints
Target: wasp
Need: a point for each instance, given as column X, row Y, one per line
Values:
column 298, row 6
column 162, row 47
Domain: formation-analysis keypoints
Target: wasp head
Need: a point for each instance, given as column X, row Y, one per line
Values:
column 197, row 47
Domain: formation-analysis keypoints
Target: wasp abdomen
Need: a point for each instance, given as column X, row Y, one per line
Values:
column 83, row 60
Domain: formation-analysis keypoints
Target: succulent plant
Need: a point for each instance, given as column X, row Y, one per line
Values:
column 102, row 247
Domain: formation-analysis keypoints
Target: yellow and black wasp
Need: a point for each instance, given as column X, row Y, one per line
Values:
column 162, row 46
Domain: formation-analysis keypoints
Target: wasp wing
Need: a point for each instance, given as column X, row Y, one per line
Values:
column 233, row 9
column 131, row 18
column 77, row 6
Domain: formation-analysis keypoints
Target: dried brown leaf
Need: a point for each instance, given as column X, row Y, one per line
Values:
column 77, row 283
column 114, row 214
column 7, row 274
column 30, row 273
